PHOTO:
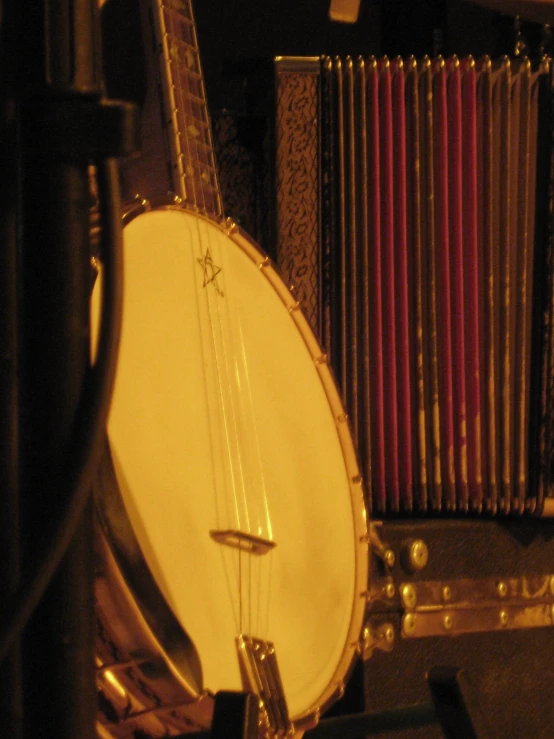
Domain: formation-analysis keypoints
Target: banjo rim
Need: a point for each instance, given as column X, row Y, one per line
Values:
column 153, row 613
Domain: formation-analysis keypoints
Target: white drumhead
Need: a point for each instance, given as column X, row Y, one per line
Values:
column 220, row 420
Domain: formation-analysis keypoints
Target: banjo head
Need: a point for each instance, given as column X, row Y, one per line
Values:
column 236, row 473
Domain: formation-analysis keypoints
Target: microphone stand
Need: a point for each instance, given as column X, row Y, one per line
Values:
column 53, row 125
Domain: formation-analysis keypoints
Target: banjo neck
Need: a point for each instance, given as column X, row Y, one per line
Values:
column 188, row 131
column 163, row 75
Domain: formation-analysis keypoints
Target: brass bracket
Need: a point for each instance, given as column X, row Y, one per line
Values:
column 260, row 674
column 454, row 607
column 383, row 552
column 376, row 637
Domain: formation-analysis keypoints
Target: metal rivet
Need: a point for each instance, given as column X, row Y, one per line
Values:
column 502, row 589
column 447, row 622
column 389, row 558
column 417, row 555
column 446, row 593
column 390, row 590
column 504, row 618
column 409, row 623
column 409, row 598
column 389, row 635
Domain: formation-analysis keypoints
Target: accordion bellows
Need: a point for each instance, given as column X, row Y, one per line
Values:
column 432, row 187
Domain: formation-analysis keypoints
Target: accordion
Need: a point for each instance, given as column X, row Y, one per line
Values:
column 414, row 217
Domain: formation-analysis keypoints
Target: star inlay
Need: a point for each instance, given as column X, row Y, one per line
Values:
column 211, row 271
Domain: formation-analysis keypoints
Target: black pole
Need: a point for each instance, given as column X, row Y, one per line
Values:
column 58, row 643
column 53, row 123
column 58, row 39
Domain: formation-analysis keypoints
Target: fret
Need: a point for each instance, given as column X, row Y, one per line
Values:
column 204, row 183
column 195, row 87
column 206, row 172
column 205, row 177
column 202, row 148
column 199, row 171
column 184, row 31
column 186, row 46
column 201, row 162
column 192, row 106
column 189, row 59
column 183, row 55
column 193, row 112
column 188, row 62
column 183, row 7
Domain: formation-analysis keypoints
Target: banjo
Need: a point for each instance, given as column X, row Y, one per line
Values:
column 232, row 539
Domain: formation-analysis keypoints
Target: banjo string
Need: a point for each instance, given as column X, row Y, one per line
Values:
column 209, row 247
column 241, row 386
column 222, row 419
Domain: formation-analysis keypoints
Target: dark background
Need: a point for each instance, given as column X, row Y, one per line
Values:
column 242, row 30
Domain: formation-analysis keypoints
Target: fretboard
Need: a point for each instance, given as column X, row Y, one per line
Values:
column 186, row 112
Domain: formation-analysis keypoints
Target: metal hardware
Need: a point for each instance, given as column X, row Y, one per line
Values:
column 231, row 228
column 260, row 674
column 409, row 598
column 246, row 542
column 380, row 637
column 266, row 262
column 133, row 208
column 414, row 555
column 465, row 621
column 380, row 592
column 382, row 550
column 298, row 64
column 408, row 624
column 470, row 606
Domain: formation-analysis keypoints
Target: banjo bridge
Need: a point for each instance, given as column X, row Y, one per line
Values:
column 239, row 540
column 260, row 675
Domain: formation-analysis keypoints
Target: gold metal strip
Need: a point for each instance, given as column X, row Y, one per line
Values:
column 364, row 432
column 415, row 216
column 430, row 288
